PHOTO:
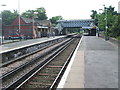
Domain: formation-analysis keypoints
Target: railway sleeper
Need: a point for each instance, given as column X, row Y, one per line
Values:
column 31, row 86
column 46, row 74
column 54, row 66
column 37, row 83
column 41, row 78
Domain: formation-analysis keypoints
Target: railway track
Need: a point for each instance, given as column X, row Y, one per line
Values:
column 14, row 74
column 49, row 75
column 8, row 66
column 41, row 65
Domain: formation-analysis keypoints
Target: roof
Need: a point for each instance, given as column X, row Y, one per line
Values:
column 41, row 22
column 27, row 20
column 77, row 20
column 44, row 22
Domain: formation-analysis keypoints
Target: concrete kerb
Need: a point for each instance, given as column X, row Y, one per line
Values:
column 112, row 40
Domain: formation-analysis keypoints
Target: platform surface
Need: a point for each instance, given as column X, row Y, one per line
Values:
column 25, row 43
column 93, row 65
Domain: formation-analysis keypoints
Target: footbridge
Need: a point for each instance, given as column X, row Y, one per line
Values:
column 82, row 23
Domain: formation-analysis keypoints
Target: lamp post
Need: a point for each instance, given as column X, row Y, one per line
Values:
column 33, row 26
column 99, row 21
column 33, row 19
column 33, row 22
column 106, row 36
column 1, row 28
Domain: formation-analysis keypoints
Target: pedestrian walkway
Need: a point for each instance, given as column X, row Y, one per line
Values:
column 93, row 65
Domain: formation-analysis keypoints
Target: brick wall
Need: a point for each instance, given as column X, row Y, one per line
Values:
column 25, row 28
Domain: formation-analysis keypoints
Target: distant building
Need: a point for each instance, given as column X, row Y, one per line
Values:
column 27, row 29
column 119, row 7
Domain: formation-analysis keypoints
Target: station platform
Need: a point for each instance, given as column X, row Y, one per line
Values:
column 93, row 65
column 25, row 43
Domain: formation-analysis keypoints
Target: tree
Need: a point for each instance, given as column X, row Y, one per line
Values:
column 115, row 29
column 55, row 19
column 113, row 21
column 110, row 19
column 8, row 17
column 94, row 16
column 40, row 13
column 94, row 13
column 28, row 14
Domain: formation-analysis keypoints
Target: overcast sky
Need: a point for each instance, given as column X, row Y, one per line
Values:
column 68, row 9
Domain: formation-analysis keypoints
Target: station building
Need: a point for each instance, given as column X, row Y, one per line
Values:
column 28, row 28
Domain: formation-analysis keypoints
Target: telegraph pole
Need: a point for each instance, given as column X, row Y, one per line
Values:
column 19, row 19
column 1, row 28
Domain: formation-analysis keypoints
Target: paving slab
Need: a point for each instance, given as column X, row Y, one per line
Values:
column 101, row 63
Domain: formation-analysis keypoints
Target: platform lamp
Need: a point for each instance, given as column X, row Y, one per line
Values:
column 1, row 28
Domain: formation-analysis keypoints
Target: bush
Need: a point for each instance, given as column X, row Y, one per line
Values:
column 118, row 38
